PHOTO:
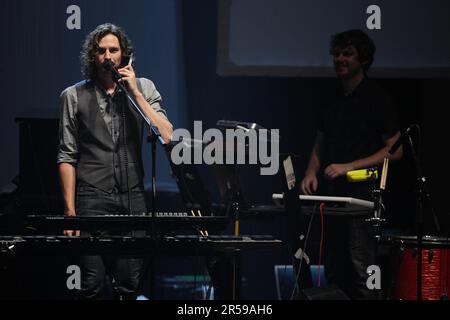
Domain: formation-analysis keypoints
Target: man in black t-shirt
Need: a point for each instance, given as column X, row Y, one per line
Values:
column 354, row 132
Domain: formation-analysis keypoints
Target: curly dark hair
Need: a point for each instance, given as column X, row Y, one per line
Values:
column 360, row 40
column 90, row 47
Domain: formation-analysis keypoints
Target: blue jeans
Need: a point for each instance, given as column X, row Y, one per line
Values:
column 127, row 271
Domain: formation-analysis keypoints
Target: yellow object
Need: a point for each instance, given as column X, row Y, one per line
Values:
column 362, row 175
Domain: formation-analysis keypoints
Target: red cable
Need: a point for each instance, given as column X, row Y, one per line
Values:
column 322, row 206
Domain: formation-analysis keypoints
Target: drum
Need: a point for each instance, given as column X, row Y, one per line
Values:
column 435, row 267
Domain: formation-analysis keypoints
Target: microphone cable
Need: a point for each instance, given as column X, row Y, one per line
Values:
column 302, row 254
column 322, row 206
column 125, row 155
column 108, row 65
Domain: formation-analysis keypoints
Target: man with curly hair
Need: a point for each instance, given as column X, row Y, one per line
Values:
column 355, row 131
column 100, row 151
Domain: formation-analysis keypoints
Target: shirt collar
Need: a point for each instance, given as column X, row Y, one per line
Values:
column 103, row 92
column 358, row 89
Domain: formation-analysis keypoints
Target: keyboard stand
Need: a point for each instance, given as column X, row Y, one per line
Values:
column 335, row 206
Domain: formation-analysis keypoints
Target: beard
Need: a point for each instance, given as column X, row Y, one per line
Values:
column 102, row 70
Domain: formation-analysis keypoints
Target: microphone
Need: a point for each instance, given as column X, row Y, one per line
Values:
column 109, row 66
column 400, row 140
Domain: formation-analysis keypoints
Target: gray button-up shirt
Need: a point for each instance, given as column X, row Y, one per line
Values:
column 68, row 128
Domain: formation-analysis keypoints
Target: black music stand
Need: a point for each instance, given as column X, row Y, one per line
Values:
column 198, row 199
column 227, row 176
column 192, row 187
column 190, row 184
column 230, row 188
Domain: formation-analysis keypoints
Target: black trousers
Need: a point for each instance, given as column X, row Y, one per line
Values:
column 349, row 248
column 125, row 272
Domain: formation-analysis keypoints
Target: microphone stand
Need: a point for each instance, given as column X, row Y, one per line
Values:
column 152, row 139
column 422, row 195
column 421, row 188
column 156, row 135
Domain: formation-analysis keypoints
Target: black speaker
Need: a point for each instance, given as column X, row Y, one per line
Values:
column 37, row 159
column 38, row 182
column 326, row 293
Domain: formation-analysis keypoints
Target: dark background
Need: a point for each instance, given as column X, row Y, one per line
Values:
column 176, row 47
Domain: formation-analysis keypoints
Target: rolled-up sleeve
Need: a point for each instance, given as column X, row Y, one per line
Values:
column 152, row 96
column 68, row 129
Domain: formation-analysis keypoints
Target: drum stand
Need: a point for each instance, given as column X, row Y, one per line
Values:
column 379, row 208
